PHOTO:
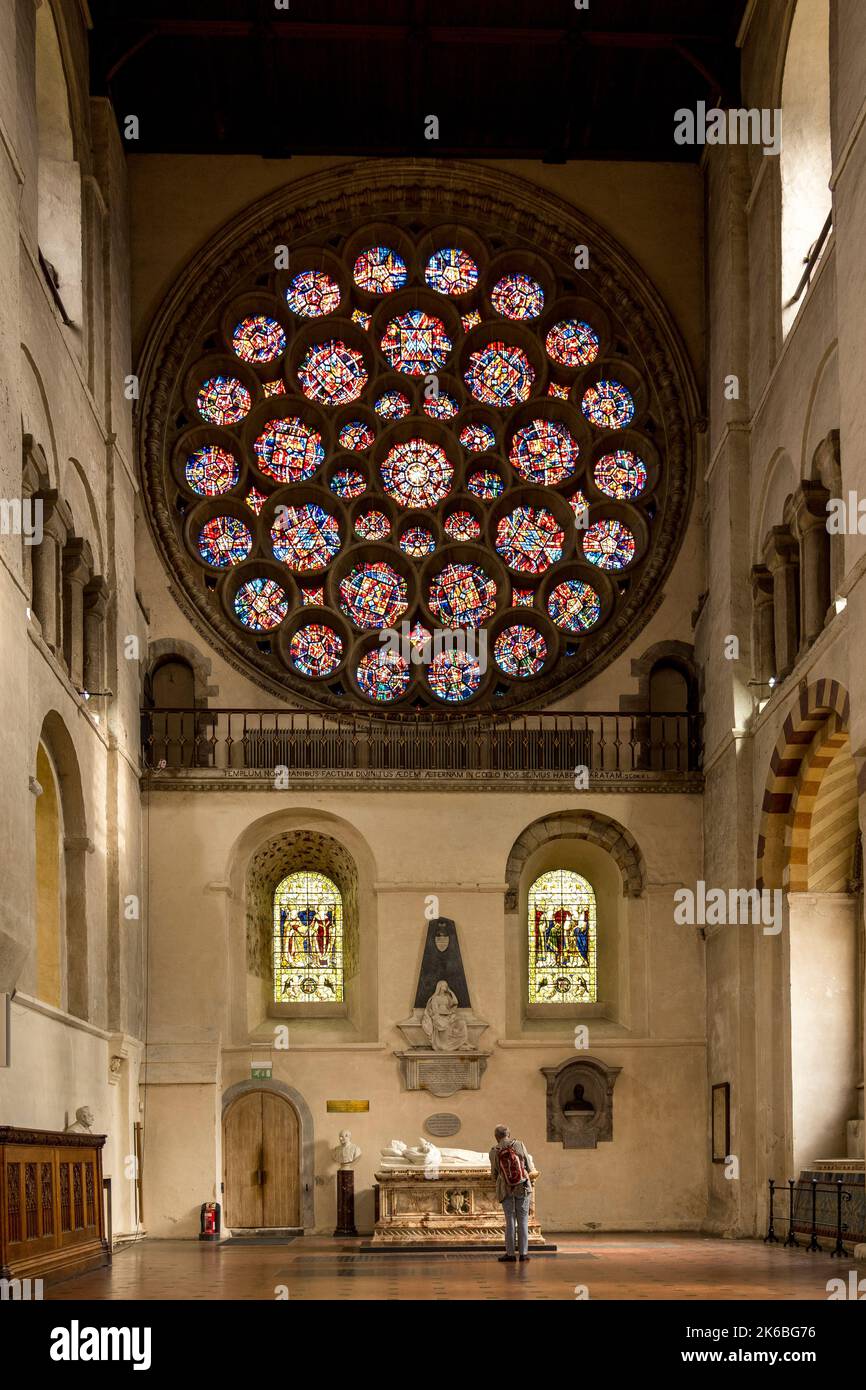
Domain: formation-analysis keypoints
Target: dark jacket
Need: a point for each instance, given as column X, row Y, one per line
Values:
column 503, row 1189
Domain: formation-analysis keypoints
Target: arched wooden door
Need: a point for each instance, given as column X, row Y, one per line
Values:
column 261, row 1149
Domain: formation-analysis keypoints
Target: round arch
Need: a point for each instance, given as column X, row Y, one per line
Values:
column 598, row 829
column 307, row 1134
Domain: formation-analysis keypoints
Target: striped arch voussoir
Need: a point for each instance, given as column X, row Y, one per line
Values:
column 822, row 706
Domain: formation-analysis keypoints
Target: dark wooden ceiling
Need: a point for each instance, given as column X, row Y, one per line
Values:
column 506, row 78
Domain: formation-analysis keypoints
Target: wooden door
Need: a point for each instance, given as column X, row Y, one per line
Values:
column 262, row 1181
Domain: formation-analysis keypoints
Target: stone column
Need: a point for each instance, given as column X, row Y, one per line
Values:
column 95, row 606
column 763, row 635
column 76, row 573
column 46, row 568
column 782, row 560
column 810, row 520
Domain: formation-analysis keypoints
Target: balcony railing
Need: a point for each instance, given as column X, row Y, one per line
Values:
column 298, row 745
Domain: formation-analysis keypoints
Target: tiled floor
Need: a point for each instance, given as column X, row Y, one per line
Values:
column 605, row 1266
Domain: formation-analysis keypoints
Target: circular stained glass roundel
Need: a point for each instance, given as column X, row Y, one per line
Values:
column 259, row 339
column 517, row 297
column 383, row 675
column 520, row 651
column 223, row 400
column 622, row 475
column 316, row 650
column 211, row 471
column 261, row 604
column 530, row 540
column 417, row 473
column 574, row 606
column 305, row 537
column 609, row 544
column 289, row 450
column 454, row 676
column 416, row 343
column 332, row 373
column 379, row 270
column 451, row 271
column 544, row 451
column 462, row 595
column 224, row 541
column 608, row 405
column 373, row 595
column 312, row 294
column 500, row 374
column 572, row 343
column 471, row 503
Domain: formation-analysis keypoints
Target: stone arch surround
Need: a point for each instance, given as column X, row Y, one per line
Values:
column 307, row 1136
column 825, row 703
column 593, row 826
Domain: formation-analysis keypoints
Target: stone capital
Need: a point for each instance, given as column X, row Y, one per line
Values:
column 780, row 549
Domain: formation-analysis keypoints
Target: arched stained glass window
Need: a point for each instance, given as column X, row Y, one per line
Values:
column 562, row 939
column 308, row 940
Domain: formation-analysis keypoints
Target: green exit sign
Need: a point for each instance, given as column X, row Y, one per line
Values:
column 260, row 1073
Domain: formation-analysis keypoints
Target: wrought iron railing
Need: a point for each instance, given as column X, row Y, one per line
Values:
column 307, row 742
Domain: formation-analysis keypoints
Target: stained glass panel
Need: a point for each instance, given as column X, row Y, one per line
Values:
column 361, row 319
column 312, row 598
column 609, row 544
column 372, row 526
column 255, row 500
column 470, row 320
column 224, row 541
column 451, row 271
column 312, row 293
column 417, row 542
column 305, row 537
column 383, row 676
column 316, row 650
column 486, row 484
column 348, row 482
column 529, row 539
column 520, row 651
column 259, row 339
column 261, row 604
column 332, row 373
column 574, row 606
column 621, row 474
column 462, row 526
column 554, row 388
column 477, row 438
column 441, row 407
column 289, row 450
column 417, row 473
column 274, row 388
column 223, row 400
column 308, row 940
column 517, row 296
column 356, row 435
column 562, row 939
column 211, row 471
column 415, row 343
column 380, row 270
column 373, row 595
column 500, row 374
column 392, row 405
column 462, row 595
column 572, row 343
column 544, row 452
column 608, row 405
column 522, row 598
column 454, row 676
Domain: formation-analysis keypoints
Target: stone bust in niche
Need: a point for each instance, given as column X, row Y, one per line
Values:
column 580, row 1102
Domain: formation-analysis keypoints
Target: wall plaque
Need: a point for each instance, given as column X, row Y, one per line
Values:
column 442, row 1124
column 350, row 1107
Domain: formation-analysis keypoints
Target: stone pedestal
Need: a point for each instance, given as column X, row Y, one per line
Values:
column 345, row 1203
column 451, row 1206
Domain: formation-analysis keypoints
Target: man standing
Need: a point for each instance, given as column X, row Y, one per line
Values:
column 510, row 1165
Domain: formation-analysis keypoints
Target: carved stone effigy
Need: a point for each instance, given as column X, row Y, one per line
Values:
column 431, row 1197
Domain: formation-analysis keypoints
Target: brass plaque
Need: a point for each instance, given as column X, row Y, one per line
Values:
column 350, row 1107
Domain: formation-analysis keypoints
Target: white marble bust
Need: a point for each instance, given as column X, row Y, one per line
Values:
column 83, row 1122
column 345, row 1151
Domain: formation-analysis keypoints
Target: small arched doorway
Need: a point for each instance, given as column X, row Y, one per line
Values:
column 261, row 1152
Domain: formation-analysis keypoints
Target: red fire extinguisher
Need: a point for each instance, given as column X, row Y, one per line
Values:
column 210, row 1221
